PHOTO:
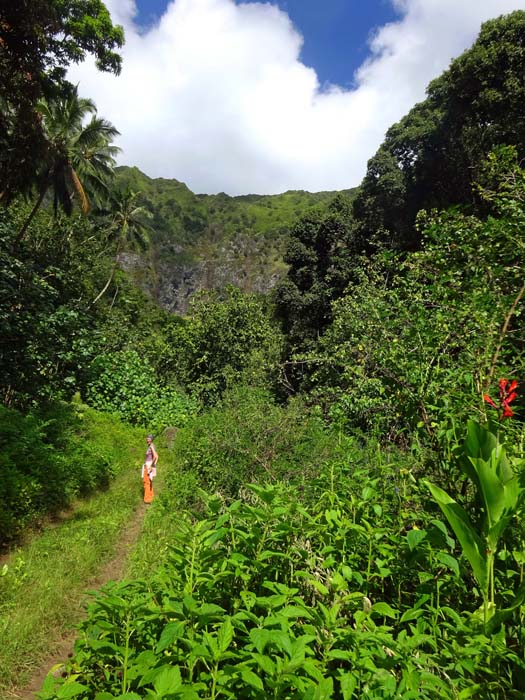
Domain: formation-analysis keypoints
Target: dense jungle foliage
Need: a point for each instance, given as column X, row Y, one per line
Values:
column 346, row 515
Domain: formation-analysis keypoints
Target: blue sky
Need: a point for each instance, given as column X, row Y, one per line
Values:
column 267, row 97
column 335, row 32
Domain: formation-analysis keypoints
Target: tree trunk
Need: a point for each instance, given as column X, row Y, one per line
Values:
column 119, row 244
column 104, row 289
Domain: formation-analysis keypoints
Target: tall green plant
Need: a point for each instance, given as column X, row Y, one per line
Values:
column 500, row 493
column 124, row 383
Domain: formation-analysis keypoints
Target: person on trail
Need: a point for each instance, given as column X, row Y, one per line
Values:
column 149, row 469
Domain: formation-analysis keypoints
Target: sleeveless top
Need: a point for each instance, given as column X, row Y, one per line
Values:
column 149, row 454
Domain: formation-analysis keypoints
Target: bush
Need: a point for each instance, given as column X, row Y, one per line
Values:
column 53, row 455
column 247, row 438
column 125, row 384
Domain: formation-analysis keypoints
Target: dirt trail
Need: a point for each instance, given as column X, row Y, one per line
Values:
column 112, row 571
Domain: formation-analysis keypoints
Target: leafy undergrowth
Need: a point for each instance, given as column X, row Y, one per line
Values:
column 43, row 582
column 53, row 455
column 346, row 588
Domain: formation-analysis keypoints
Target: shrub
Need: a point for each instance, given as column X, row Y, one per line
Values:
column 53, row 455
column 248, row 437
column 125, row 384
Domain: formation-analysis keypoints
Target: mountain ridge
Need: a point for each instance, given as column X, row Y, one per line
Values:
column 207, row 241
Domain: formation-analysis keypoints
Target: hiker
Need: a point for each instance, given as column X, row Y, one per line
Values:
column 149, row 469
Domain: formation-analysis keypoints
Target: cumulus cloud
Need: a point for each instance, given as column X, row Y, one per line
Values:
column 215, row 93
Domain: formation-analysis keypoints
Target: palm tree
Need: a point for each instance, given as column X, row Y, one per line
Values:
column 128, row 227
column 79, row 157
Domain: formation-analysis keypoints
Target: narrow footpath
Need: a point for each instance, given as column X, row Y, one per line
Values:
column 112, row 571
column 89, row 547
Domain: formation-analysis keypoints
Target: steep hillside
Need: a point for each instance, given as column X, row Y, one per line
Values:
column 208, row 241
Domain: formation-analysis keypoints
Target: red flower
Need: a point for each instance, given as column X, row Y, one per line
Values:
column 507, row 394
column 488, row 400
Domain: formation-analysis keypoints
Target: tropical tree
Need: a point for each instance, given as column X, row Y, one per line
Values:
column 45, row 323
column 423, row 334
column 228, row 339
column 320, row 254
column 128, row 226
column 38, row 40
column 431, row 158
column 78, row 157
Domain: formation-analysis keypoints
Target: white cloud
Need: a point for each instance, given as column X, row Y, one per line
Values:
column 215, row 94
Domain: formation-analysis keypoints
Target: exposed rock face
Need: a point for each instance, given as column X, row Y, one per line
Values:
column 210, row 241
column 172, row 279
column 177, row 281
column 177, row 284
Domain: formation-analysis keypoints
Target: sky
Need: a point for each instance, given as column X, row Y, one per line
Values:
column 335, row 32
column 264, row 97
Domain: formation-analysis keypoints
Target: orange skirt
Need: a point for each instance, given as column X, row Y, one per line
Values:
column 148, row 485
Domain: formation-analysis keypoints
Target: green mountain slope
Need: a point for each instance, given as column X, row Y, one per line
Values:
column 208, row 241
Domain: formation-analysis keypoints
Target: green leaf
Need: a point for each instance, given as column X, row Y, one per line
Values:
column 341, row 654
column 443, row 529
column 171, row 632
column 209, row 610
column 324, row 690
column 348, row 683
column 265, row 663
column 49, row 683
column 448, row 561
column 48, row 688
column 225, row 635
column 473, row 546
column 479, row 443
column 312, row 581
column 501, row 615
column 474, row 691
column 500, row 490
column 260, row 638
column 168, row 680
column 295, row 611
column 384, row 609
column 70, row 690
column 251, row 679
column 414, row 537
column 411, row 614
column 282, row 641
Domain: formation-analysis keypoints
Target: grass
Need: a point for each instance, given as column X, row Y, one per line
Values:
column 43, row 583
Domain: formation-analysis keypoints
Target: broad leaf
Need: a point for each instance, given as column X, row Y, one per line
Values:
column 225, row 635
column 384, row 609
column 71, row 690
column 500, row 490
column 473, row 546
column 168, row 681
column 414, row 537
column 171, row 632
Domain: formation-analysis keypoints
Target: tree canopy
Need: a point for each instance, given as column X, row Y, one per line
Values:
column 38, row 40
column 434, row 154
column 319, row 254
column 78, row 158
